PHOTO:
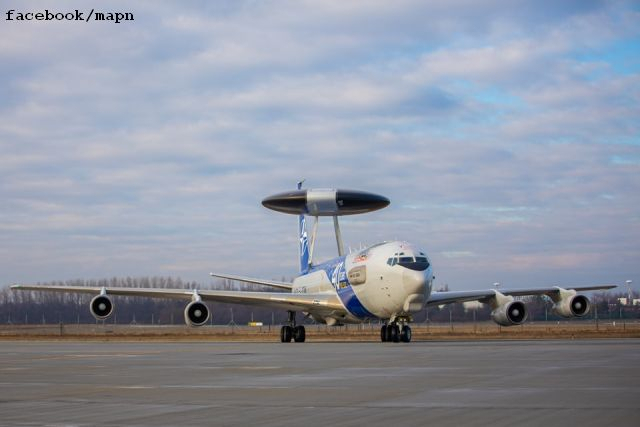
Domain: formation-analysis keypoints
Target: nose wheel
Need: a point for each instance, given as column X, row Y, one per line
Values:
column 394, row 333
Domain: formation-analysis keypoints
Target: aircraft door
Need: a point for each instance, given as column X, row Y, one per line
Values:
column 358, row 275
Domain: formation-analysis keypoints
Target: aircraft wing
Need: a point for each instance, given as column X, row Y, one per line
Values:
column 439, row 298
column 316, row 303
column 272, row 283
column 284, row 300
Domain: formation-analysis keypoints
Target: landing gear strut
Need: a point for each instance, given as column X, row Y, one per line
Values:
column 392, row 332
column 292, row 331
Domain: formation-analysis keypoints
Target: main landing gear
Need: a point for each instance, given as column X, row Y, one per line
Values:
column 291, row 331
column 394, row 333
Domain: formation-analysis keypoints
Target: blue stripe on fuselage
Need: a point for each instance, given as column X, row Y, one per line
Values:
column 336, row 272
column 353, row 304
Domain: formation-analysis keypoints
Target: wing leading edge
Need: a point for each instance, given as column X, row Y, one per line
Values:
column 315, row 303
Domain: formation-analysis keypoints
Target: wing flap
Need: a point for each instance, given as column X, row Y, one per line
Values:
column 438, row 298
column 287, row 301
column 272, row 283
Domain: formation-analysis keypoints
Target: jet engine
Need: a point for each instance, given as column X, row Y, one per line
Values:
column 509, row 314
column 101, row 307
column 196, row 313
column 572, row 306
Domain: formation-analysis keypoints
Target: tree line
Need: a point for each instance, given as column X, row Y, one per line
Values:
column 42, row 307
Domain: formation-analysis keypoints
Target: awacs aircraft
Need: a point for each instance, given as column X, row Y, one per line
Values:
column 388, row 281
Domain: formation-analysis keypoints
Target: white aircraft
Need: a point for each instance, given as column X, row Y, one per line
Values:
column 388, row 281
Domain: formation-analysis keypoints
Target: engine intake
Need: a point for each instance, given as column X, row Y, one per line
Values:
column 512, row 313
column 575, row 306
column 101, row 307
column 196, row 313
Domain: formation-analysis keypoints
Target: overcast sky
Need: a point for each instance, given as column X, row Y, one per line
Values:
column 506, row 134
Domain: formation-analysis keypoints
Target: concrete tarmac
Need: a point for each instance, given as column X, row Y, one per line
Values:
column 499, row 383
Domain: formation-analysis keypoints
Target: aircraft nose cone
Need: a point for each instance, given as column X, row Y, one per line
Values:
column 414, row 282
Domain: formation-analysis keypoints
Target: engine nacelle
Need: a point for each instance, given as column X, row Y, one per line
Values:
column 572, row 306
column 196, row 313
column 509, row 314
column 101, row 307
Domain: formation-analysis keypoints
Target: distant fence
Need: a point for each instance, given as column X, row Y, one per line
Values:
column 367, row 331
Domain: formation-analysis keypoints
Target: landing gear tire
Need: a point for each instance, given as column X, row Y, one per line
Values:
column 405, row 334
column 286, row 333
column 395, row 333
column 383, row 333
column 299, row 334
column 388, row 337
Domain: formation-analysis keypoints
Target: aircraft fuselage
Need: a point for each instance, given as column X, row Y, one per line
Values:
column 386, row 280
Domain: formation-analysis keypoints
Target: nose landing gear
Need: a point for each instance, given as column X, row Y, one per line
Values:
column 292, row 331
column 392, row 332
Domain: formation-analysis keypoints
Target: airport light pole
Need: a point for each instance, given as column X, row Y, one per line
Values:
column 474, row 321
column 497, row 286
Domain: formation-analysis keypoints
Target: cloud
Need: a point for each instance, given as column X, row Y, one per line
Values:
column 506, row 132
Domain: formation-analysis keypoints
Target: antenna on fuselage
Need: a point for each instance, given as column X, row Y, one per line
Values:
column 325, row 202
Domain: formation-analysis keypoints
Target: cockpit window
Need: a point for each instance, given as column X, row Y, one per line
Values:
column 418, row 264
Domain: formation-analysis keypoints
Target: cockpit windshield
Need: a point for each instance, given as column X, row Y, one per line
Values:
column 419, row 263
